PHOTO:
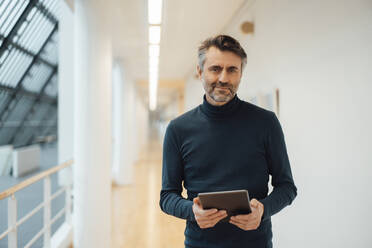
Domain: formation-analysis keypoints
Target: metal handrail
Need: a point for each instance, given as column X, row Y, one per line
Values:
column 34, row 179
column 13, row 223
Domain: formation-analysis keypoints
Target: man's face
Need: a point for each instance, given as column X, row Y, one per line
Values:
column 221, row 75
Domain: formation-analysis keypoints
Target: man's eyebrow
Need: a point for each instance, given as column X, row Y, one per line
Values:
column 219, row 66
column 214, row 67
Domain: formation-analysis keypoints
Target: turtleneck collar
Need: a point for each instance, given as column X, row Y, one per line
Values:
column 223, row 111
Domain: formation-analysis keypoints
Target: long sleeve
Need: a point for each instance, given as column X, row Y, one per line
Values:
column 171, row 200
column 284, row 189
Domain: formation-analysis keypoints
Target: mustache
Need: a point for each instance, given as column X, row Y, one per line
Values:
column 222, row 84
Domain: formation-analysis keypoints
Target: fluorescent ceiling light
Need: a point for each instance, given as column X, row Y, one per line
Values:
column 154, row 11
column 153, row 87
column 154, row 50
column 154, row 62
column 154, row 34
column 153, row 70
column 153, row 84
column 153, row 73
column 153, row 77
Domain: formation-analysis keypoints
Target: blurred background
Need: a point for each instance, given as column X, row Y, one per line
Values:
column 87, row 89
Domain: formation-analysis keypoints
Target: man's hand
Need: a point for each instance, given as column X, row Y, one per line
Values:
column 249, row 221
column 206, row 218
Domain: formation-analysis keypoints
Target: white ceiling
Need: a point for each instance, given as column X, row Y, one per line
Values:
column 129, row 18
column 185, row 24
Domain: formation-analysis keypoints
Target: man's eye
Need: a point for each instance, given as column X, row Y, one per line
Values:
column 215, row 69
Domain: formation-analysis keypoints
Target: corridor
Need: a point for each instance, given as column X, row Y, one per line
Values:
column 137, row 220
column 89, row 87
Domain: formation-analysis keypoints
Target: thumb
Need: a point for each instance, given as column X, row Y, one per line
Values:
column 254, row 203
column 197, row 201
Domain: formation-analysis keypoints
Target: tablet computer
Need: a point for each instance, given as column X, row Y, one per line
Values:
column 235, row 202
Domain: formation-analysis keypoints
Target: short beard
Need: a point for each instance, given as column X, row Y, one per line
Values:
column 221, row 97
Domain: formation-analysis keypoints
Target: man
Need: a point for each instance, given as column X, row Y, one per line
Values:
column 225, row 144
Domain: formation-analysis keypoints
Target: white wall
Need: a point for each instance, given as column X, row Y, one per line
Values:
column 193, row 92
column 318, row 53
column 141, row 126
column 92, row 124
column 129, row 125
column 117, row 120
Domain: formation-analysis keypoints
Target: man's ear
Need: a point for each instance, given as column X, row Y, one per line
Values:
column 199, row 72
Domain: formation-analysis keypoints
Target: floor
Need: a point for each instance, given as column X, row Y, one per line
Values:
column 137, row 218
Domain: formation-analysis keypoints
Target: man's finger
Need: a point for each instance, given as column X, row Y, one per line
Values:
column 216, row 218
column 211, row 222
column 211, row 216
column 242, row 221
column 244, row 217
column 245, row 227
column 197, row 201
column 238, row 221
column 209, row 212
column 241, row 226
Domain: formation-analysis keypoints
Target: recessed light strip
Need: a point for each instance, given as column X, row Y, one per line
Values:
column 154, row 11
column 154, row 18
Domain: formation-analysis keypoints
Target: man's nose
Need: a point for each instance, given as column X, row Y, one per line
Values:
column 223, row 77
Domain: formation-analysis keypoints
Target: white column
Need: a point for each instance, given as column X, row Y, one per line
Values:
column 142, row 126
column 128, row 131
column 92, row 141
column 124, row 135
column 65, row 91
column 117, row 121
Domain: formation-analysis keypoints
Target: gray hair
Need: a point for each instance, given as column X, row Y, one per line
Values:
column 223, row 43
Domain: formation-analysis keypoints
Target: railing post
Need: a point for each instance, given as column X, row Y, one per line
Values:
column 68, row 204
column 47, row 212
column 12, row 221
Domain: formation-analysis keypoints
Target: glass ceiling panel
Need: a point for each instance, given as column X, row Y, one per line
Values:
column 3, row 98
column 10, row 11
column 20, row 110
column 52, row 88
column 36, row 33
column 13, row 67
column 22, row 137
column 50, row 52
column 52, row 6
column 15, row 62
column 5, row 134
column 39, row 74
column 40, row 112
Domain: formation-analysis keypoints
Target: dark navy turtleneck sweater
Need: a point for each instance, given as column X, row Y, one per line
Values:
column 229, row 147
